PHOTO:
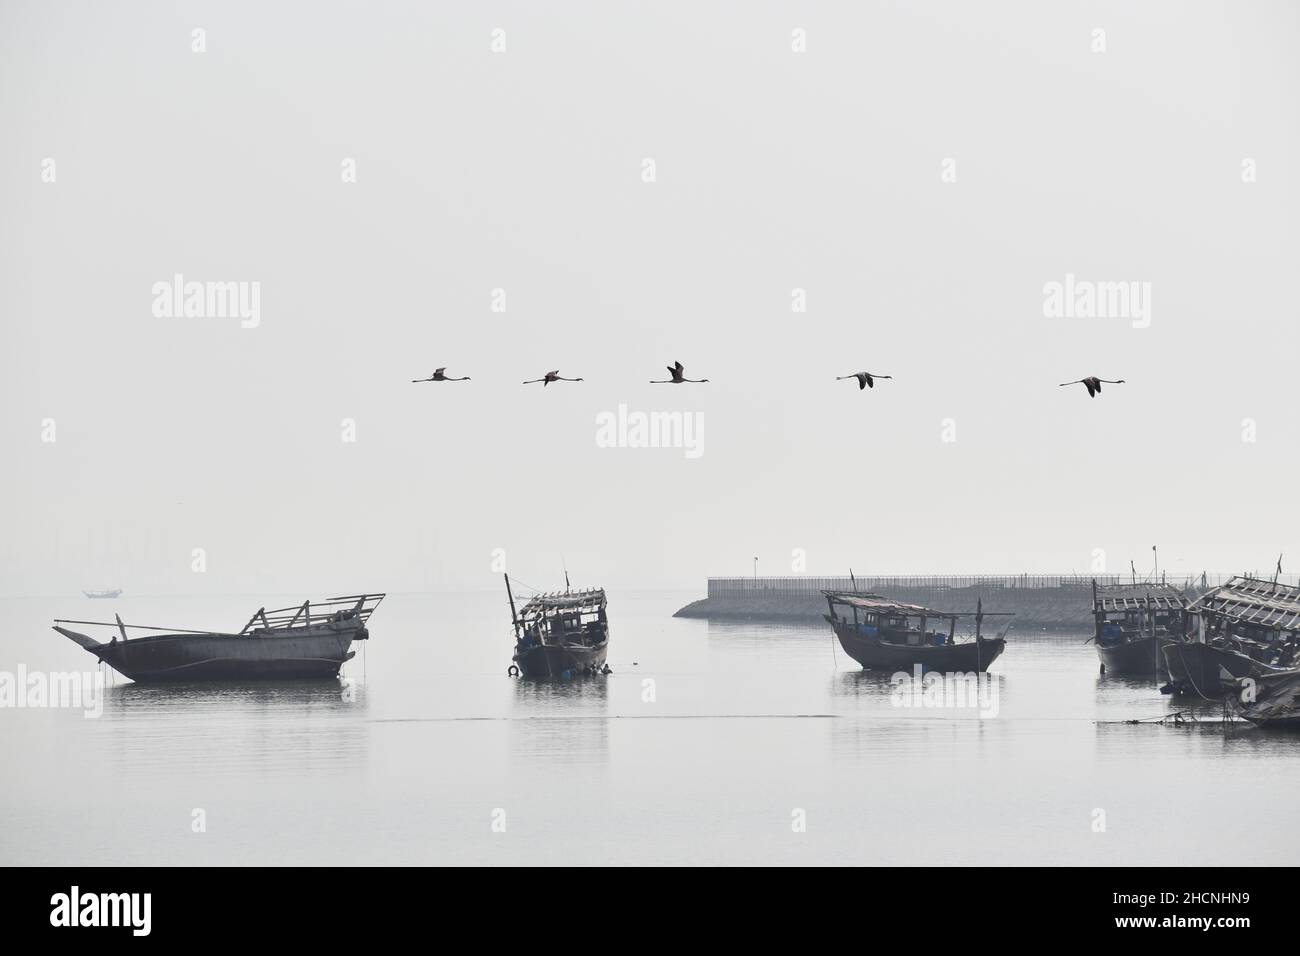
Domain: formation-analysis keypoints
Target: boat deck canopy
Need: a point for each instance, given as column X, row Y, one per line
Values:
column 1136, row 597
column 590, row 600
column 1253, row 601
column 878, row 604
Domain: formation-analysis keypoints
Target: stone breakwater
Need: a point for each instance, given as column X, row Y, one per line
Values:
column 1062, row 604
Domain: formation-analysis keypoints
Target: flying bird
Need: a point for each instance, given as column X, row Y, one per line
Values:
column 865, row 379
column 677, row 371
column 1093, row 384
column 550, row 377
column 440, row 375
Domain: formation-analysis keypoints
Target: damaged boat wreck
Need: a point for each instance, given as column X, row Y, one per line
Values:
column 1274, row 703
column 563, row 634
column 1248, row 627
column 310, row 640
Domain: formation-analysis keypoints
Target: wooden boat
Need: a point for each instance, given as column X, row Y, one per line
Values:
column 1277, row 702
column 564, row 634
column 1213, row 670
column 885, row 635
column 310, row 640
column 1132, row 623
column 107, row 593
column 1248, row 627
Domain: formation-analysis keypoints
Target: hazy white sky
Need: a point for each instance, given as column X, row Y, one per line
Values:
column 522, row 170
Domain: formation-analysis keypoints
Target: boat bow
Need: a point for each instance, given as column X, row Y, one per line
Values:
column 77, row 637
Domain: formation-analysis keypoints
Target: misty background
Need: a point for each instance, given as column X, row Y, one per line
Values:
column 522, row 171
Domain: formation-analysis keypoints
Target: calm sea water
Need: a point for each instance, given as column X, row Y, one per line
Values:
column 751, row 729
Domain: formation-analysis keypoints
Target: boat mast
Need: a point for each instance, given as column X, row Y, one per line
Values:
column 1097, row 615
column 514, row 618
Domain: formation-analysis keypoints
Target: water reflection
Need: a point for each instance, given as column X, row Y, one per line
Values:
column 280, row 727
column 729, row 629
column 766, row 633
column 1147, row 683
column 872, row 687
column 1142, row 697
column 291, row 697
column 552, row 696
column 1202, row 734
column 561, row 720
column 955, row 697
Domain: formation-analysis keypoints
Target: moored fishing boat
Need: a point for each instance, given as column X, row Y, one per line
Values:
column 1132, row 623
column 1214, row 670
column 1248, row 627
column 310, row 640
column 562, row 634
column 886, row 635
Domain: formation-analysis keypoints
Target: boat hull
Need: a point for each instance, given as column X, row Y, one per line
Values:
column 542, row 661
column 1206, row 671
column 1291, row 723
column 1143, row 656
column 283, row 654
column 877, row 655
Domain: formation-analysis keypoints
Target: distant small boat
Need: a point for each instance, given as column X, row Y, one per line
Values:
column 885, row 635
column 1277, row 702
column 1132, row 623
column 564, row 634
column 109, row 593
column 310, row 640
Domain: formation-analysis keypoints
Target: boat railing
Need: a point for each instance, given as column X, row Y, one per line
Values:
column 302, row 615
column 355, row 605
column 123, row 627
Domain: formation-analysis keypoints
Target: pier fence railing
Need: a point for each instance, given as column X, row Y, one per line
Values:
column 797, row 584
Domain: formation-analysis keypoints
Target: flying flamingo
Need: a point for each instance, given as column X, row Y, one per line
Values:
column 1093, row 384
column 550, row 377
column 677, row 371
column 440, row 375
column 865, row 379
